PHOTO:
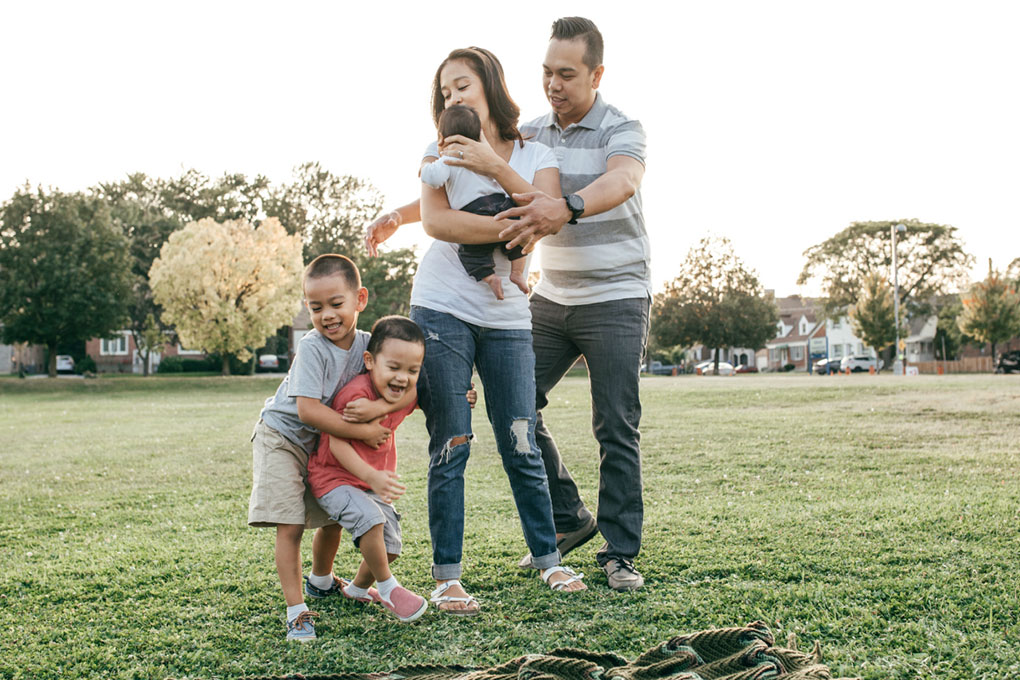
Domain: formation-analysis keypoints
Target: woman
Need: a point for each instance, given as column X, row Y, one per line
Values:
column 466, row 327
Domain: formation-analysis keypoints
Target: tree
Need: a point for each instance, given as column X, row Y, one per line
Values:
column 330, row 213
column 64, row 270
column 873, row 315
column 931, row 261
column 949, row 339
column 227, row 286
column 991, row 310
column 136, row 205
column 716, row 301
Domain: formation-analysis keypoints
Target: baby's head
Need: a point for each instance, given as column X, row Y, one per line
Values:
column 394, row 356
column 460, row 120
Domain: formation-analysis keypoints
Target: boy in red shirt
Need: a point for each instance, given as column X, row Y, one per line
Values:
column 356, row 484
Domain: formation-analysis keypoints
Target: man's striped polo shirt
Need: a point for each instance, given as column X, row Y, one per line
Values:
column 602, row 257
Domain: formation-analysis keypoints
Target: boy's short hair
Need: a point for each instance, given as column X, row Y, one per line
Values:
column 460, row 120
column 394, row 328
column 331, row 264
column 579, row 28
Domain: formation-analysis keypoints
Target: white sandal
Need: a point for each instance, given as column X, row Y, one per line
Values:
column 439, row 599
column 562, row 585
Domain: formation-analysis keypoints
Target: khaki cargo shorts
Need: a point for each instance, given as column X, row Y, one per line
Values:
column 279, row 489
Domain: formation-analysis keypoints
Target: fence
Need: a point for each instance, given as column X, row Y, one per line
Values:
column 967, row 365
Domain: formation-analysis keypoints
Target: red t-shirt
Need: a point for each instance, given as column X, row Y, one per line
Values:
column 325, row 473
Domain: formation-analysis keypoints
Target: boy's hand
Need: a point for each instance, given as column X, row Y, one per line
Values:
column 384, row 483
column 379, row 436
column 472, row 396
column 360, row 411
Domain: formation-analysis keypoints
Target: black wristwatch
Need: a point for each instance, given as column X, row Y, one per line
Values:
column 575, row 204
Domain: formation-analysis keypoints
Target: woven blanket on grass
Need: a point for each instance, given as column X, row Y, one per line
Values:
column 746, row 653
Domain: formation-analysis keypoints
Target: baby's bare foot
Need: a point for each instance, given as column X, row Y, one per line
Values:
column 494, row 283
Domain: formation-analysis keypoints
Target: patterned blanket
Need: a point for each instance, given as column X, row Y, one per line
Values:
column 744, row 653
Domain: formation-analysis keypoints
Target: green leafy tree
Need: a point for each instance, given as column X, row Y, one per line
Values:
column 873, row 315
column 330, row 213
column 931, row 261
column 991, row 310
column 716, row 300
column 949, row 339
column 136, row 205
column 227, row 286
column 64, row 270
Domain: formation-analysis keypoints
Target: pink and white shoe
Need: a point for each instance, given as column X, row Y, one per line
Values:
column 404, row 604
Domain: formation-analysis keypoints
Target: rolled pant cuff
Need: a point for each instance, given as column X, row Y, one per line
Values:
column 445, row 572
column 546, row 561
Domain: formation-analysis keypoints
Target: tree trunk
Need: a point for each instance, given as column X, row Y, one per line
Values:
column 715, row 363
column 226, row 364
column 994, row 363
column 145, row 364
column 52, row 362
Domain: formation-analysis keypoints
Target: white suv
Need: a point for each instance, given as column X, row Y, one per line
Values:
column 860, row 363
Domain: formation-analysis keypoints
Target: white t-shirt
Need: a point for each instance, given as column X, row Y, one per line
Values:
column 443, row 285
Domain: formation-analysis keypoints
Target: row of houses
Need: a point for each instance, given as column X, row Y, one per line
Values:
column 803, row 337
column 119, row 354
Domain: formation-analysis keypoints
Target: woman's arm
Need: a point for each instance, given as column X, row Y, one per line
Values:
column 456, row 226
column 480, row 157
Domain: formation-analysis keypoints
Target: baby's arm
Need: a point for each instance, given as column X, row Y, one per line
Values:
column 383, row 482
column 363, row 410
column 436, row 173
column 324, row 419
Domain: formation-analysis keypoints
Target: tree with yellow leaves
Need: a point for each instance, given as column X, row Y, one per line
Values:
column 227, row 286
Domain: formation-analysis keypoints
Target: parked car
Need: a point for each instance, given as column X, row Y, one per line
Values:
column 745, row 368
column 827, row 366
column 1009, row 362
column 707, row 368
column 860, row 363
column 269, row 363
column 65, row 363
column 659, row 368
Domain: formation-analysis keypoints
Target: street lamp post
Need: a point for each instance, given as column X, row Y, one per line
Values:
column 898, row 359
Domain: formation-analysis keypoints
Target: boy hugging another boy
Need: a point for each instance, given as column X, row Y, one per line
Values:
column 357, row 484
column 474, row 193
column 287, row 433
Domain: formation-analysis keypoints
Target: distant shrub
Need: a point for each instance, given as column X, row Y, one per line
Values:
column 171, row 365
column 86, row 365
column 789, row 367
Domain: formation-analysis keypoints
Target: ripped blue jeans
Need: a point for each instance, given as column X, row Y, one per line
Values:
column 506, row 365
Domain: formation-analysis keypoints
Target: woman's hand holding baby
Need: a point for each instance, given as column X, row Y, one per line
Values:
column 475, row 156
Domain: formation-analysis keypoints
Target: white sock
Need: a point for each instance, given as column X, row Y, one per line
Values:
column 354, row 591
column 294, row 610
column 386, row 587
column 321, row 582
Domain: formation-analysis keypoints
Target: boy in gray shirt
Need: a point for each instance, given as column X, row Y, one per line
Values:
column 288, row 431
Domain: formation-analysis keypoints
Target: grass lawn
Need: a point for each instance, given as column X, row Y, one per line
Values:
column 877, row 515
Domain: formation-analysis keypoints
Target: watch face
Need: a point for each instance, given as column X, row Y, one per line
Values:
column 576, row 204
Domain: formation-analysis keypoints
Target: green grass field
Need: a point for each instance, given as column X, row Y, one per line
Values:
column 876, row 515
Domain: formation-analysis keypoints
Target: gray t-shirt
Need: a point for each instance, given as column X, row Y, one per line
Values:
column 320, row 369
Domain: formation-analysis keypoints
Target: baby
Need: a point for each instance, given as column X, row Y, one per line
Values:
column 474, row 193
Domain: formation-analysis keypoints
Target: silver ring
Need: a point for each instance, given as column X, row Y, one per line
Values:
column 462, row 154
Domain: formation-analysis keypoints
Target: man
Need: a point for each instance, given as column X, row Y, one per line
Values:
column 593, row 298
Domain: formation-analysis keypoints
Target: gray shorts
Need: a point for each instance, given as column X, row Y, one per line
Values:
column 358, row 511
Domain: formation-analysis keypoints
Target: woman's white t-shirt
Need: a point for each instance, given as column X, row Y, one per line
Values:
column 443, row 285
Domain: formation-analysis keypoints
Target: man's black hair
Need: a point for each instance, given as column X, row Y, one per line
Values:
column 394, row 328
column 579, row 28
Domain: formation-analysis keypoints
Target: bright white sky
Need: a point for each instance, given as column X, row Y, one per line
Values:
column 774, row 124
